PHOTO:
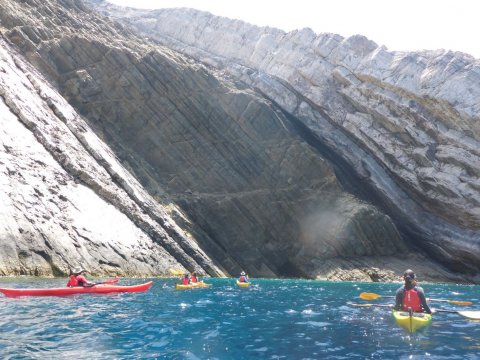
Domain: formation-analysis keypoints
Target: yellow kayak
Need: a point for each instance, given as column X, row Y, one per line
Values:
column 413, row 322
column 243, row 284
column 199, row 284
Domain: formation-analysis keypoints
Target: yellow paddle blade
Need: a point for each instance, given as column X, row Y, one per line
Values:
column 455, row 302
column 460, row 302
column 369, row 296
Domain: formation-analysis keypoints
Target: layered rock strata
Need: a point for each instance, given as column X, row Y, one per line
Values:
column 403, row 126
column 65, row 198
column 225, row 164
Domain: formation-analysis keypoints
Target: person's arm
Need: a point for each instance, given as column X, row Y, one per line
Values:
column 85, row 283
column 423, row 300
column 399, row 299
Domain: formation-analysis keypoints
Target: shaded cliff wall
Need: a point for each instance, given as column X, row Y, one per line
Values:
column 66, row 200
column 405, row 125
column 253, row 193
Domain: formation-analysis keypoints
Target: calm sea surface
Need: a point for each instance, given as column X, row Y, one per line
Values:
column 274, row 319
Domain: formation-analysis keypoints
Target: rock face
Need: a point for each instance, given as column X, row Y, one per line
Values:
column 66, row 200
column 280, row 174
column 405, row 125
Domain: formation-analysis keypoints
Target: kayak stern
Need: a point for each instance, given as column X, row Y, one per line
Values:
column 412, row 322
column 96, row 289
column 243, row 284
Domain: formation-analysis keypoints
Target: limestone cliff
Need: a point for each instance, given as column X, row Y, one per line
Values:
column 406, row 125
column 66, row 200
column 200, row 169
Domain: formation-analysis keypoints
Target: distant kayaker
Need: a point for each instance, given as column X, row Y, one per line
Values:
column 77, row 279
column 411, row 296
column 193, row 278
column 185, row 280
column 243, row 277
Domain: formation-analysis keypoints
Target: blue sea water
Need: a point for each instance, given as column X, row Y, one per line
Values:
column 273, row 319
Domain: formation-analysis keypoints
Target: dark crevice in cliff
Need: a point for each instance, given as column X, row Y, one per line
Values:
column 344, row 172
column 365, row 191
column 290, row 270
column 348, row 178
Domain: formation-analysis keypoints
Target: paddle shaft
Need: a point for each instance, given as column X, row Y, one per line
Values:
column 370, row 305
column 373, row 296
column 472, row 315
column 438, row 300
column 112, row 281
column 445, row 311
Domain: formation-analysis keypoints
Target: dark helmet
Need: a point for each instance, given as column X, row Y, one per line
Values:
column 409, row 275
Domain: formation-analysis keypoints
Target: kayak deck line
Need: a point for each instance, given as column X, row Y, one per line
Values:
column 411, row 321
column 65, row 291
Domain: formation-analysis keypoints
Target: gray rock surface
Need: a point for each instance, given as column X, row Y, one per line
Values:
column 405, row 125
column 209, row 173
column 66, row 200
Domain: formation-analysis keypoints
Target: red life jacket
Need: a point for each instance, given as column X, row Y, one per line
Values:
column 193, row 279
column 242, row 279
column 185, row 281
column 72, row 281
column 411, row 300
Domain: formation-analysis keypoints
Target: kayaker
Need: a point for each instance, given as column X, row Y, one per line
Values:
column 185, row 280
column 411, row 296
column 193, row 278
column 243, row 277
column 77, row 279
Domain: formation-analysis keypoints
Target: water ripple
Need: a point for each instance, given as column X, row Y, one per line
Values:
column 273, row 319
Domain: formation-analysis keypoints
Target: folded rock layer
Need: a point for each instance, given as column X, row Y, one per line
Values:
column 263, row 158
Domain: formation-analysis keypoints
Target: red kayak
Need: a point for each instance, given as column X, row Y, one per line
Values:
column 96, row 289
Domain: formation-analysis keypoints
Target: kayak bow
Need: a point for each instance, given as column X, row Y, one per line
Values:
column 96, row 289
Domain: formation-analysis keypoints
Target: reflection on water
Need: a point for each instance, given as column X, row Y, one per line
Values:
column 273, row 319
